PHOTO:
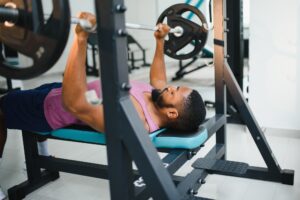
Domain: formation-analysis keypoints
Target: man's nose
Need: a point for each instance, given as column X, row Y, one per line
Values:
column 171, row 88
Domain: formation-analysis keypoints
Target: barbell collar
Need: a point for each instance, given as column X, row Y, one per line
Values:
column 9, row 15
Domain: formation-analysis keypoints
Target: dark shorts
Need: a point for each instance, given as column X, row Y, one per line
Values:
column 24, row 109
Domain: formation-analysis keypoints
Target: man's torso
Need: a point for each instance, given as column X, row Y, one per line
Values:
column 58, row 117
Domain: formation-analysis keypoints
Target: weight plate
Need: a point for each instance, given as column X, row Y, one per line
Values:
column 42, row 40
column 194, row 35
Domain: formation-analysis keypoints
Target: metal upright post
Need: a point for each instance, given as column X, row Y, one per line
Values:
column 219, row 56
column 235, row 39
column 113, row 56
column 126, row 137
column 235, row 50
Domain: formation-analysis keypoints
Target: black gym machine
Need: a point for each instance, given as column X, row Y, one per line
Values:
column 135, row 145
column 128, row 141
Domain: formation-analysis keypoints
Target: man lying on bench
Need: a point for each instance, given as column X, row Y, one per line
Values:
column 55, row 105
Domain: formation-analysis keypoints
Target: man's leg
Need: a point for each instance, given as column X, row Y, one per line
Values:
column 43, row 146
column 3, row 134
column 23, row 110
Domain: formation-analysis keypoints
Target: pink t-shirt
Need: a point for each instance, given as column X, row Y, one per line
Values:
column 57, row 117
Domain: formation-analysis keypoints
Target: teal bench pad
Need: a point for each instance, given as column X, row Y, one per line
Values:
column 162, row 138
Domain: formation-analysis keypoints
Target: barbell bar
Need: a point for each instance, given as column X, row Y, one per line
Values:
column 87, row 26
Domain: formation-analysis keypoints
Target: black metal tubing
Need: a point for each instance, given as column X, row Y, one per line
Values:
column 172, row 161
column 113, row 58
column 125, row 141
column 150, row 166
column 199, row 198
column 91, row 70
column 20, row 191
column 31, row 152
column 73, row 167
column 285, row 176
column 182, row 72
column 260, row 173
column 235, row 51
column 235, row 39
column 274, row 172
column 36, row 178
column 225, row 77
column 131, row 55
column 214, row 124
column 179, row 73
column 191, row 183
column 220, row 92
column 216, row 152
column 175, row 159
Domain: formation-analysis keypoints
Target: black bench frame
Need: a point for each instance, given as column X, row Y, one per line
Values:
column 43, row 169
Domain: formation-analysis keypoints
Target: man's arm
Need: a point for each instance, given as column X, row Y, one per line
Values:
column 74, row 82
column 158, row 77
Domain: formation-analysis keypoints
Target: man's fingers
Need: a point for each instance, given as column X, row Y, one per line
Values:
column 87, row 16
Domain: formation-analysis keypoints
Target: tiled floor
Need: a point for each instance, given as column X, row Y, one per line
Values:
column 241, row 147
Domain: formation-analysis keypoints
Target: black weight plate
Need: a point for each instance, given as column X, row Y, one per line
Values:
column 42, row 40
column 194, row 34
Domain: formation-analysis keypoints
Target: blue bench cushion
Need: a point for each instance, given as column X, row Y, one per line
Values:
column 162, row 138
column 178, row 139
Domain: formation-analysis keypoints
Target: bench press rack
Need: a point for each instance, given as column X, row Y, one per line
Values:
column 128, row 141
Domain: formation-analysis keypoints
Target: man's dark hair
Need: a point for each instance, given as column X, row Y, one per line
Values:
column 191, row 114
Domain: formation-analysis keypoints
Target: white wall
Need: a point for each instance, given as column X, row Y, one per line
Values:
column 275, row 62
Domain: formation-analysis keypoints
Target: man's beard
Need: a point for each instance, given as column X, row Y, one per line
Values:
column 156, row 96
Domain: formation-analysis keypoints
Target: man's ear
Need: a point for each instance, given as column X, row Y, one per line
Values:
column 172, row 113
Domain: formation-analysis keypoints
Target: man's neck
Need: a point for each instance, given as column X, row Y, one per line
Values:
column 156, row 116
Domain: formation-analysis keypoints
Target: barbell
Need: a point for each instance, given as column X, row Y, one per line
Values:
column 87, row 26
column 24, row 28
column 185, row 40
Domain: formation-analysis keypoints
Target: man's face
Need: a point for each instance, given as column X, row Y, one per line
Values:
column 170, row 96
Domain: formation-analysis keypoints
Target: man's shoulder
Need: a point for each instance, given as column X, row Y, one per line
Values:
column 137, row 82
column 140, row 86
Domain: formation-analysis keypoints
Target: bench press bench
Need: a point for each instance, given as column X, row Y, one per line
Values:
column 180, row 148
